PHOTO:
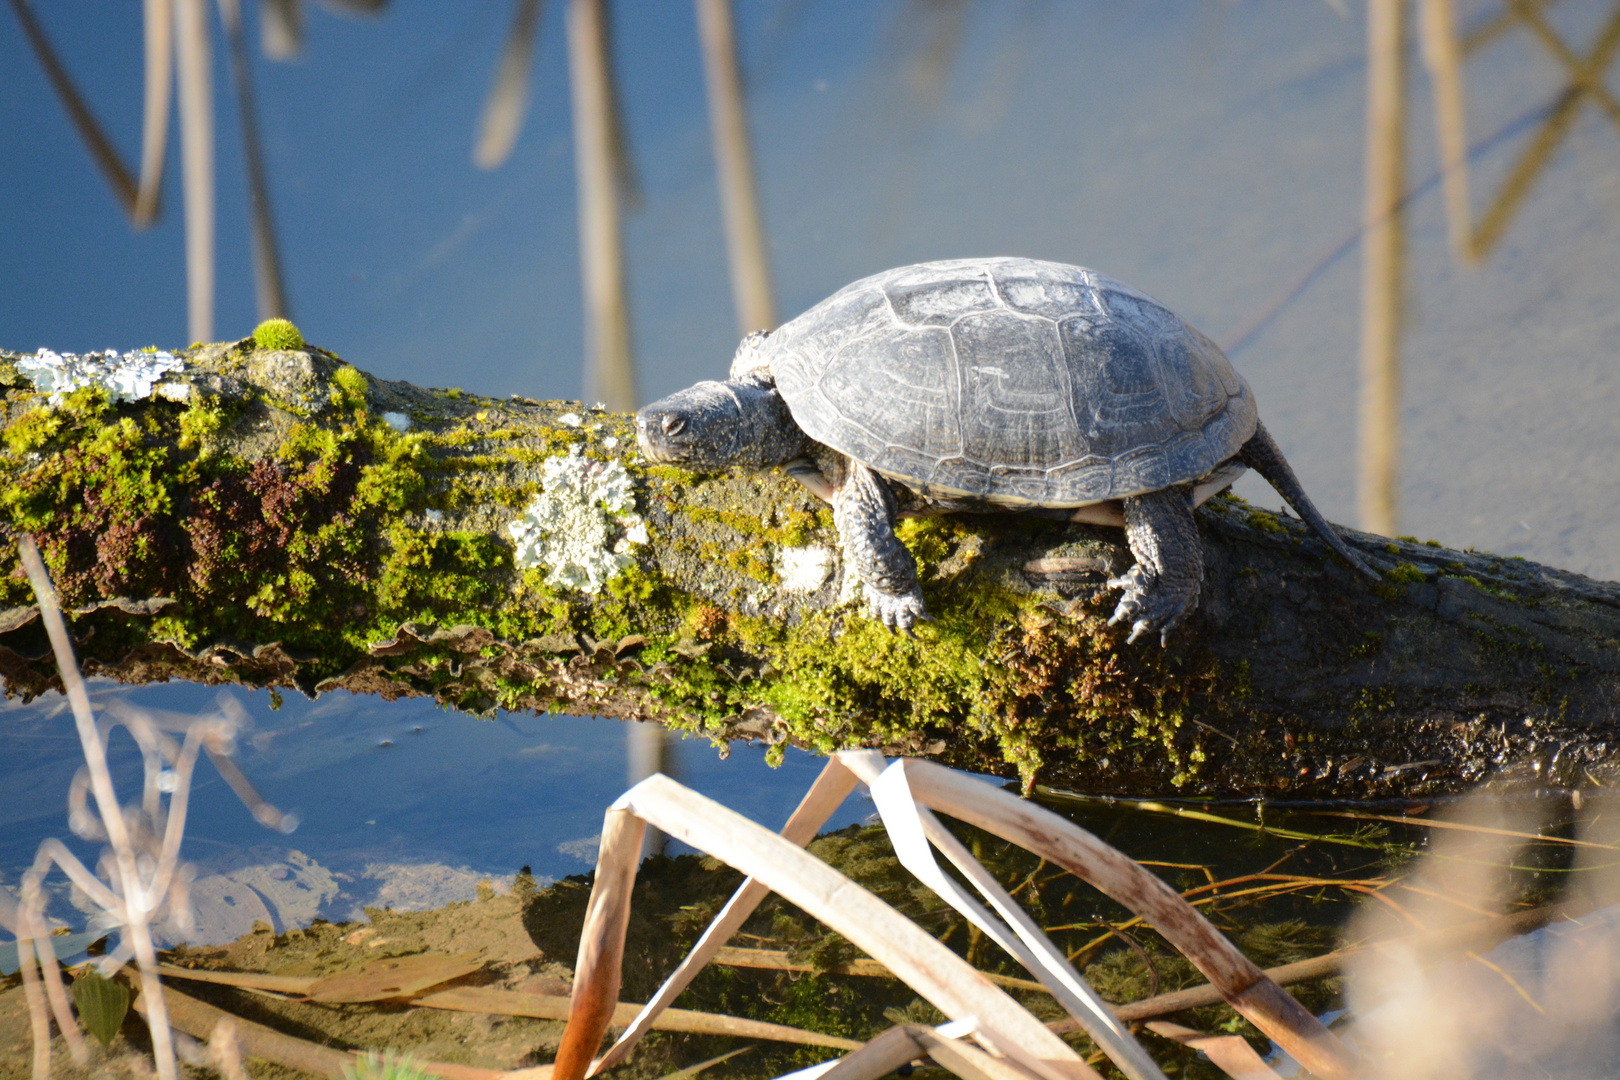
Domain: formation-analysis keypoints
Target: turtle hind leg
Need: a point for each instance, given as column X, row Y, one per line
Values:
column 1262, row 454
column 1162, row 589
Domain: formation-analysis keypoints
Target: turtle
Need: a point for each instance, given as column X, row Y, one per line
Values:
column 992, row 384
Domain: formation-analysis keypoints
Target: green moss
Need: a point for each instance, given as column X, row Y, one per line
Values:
column 279, row 334
column 349, row 386
column 1371, row 644
column 1405, row 574
column 1265, row 522
column 1395, row 582
column 203, row 419
column 33, row 430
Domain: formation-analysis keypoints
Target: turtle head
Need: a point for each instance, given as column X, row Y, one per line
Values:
column 714, row 425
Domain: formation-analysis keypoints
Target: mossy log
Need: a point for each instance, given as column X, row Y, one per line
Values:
column 262, row 520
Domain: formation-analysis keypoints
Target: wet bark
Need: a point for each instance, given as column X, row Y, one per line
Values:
column 269, row 528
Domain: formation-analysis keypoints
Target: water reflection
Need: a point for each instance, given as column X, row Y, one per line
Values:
column 402, row 804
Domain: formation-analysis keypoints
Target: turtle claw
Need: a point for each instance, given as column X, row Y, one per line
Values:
column 897, row 613
column 1146, row 607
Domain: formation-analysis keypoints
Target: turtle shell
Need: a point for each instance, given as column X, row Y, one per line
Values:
column 1011, row 381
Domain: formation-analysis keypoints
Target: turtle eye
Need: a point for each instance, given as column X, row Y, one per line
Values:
column 674, row 425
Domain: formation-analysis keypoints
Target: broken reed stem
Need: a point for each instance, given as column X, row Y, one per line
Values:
column 916, row 957
column 831, row 787
column 894, row 1049
column 1046, row 834
column 912, row 827
column 601, row 944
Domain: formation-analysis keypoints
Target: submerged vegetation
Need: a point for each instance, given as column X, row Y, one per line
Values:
column 1283, row 896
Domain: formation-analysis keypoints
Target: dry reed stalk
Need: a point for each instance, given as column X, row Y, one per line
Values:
column 44, row 954
column 734, row 169
column 1491, row 30
column 1382, row 257
column 480, row 999
column 601, row 942
column 609, row 372
column 1153, row 806
column 965, row 1060
column 881, row 1056
column 912, row 828
column 134, row 904
column 916, row 957
column 1243, row 985
column 202, row 1020
column 268, row 285
column 1437, row 25
column 1464, row 826
column 1582, row 74
column 243, row 980
column 777, row 960
column 141, row 887
column 42, row 1002
column 197, row 163
column 508, row 100
column 1493, row 223
column 224, row 1053
column 95, row 139
column 493, row 1002
column 1231, row 1053
column 281, row 28
column 831, row 787
column 158, row 16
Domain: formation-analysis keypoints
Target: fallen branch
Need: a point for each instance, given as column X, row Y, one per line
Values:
column 261, row 519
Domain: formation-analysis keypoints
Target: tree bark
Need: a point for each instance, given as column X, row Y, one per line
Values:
column 259, row 522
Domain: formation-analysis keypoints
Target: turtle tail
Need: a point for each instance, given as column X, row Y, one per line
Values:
column 1262, row 454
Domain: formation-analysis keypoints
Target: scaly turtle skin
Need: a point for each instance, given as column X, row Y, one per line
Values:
column 991, row 384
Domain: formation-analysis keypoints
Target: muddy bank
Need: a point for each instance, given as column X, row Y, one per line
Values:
column 782, row 969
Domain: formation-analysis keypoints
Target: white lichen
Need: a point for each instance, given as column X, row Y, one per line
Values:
column 125, row 376
column 610, row 442
column 397, row 420
column 570, row 419
column 582, row 524
column 804, row 569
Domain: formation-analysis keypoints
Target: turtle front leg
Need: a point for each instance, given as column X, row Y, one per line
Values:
column 1161, row 590
column 864, row 511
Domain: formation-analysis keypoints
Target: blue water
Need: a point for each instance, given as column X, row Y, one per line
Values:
column 404, row 803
